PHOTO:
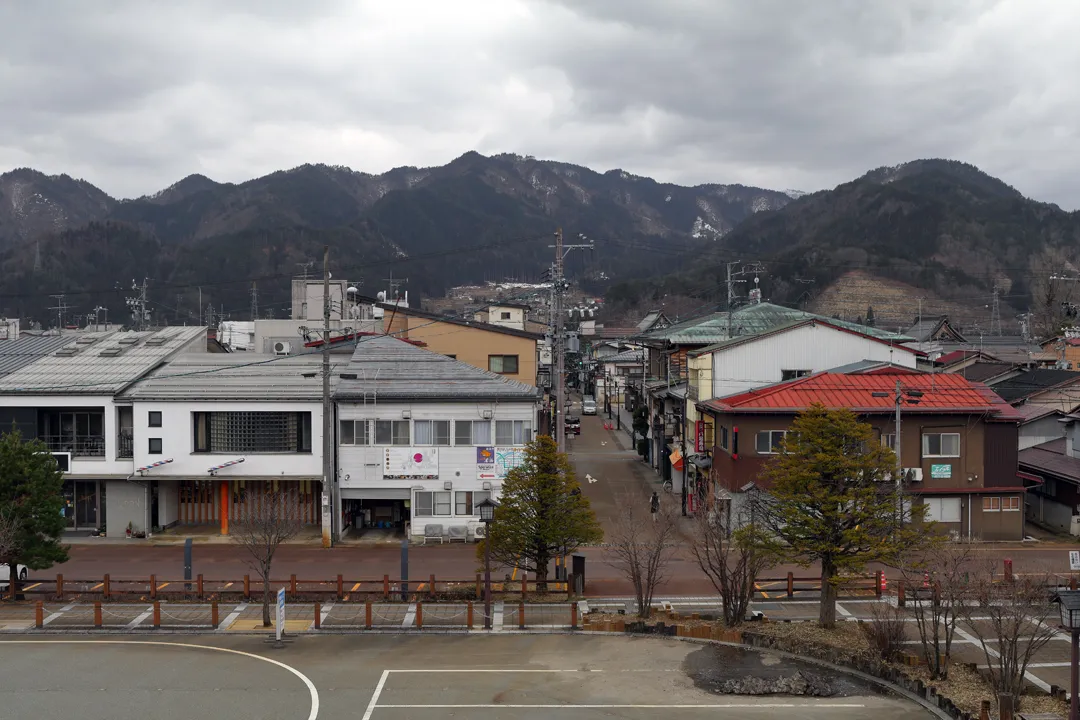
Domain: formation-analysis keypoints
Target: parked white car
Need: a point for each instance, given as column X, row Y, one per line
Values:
column 5, row 574
column 588, row 405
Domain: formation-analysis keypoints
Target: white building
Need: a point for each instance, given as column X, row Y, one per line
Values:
column 68, row 397
column 504, row 314
column 423, row 438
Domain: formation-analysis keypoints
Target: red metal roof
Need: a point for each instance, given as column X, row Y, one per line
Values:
column 942, row 393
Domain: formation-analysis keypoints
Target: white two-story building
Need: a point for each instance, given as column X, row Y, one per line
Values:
column 422, row 439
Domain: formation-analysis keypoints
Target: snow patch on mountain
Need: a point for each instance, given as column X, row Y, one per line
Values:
column 794, row 194
column 702, row 229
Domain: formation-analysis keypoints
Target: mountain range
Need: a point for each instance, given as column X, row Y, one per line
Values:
column 937, row 230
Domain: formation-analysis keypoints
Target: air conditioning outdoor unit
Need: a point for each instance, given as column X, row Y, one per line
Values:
column 478, row 529
column 282, row 348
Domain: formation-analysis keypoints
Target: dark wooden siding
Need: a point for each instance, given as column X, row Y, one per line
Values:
column 1000, row 455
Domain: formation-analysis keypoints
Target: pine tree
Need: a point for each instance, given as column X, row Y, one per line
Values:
column 542, row 513
column 832, row 500
column 31, row 495
column 870, row 321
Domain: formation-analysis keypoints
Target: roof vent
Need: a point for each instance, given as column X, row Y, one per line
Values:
column 67, row 351
column 111, row 351
column 348, row 376
column 128, row 340
column 156, row 341
column 307, row 374
column 86, row 340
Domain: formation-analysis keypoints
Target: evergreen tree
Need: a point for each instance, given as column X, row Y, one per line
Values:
column 31, row 496
column 542, row 513
column 870, row 321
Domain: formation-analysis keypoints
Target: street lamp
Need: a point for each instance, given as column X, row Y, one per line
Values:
column 487, row 516
column 911, row 397
column 1069, row 605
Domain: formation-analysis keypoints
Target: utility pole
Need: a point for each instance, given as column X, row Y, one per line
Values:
column 559, row 381
column 328, row 506
column 394, row 285
column 61, row 309
column 254, row 302
column 995, row 313
column 901, row 396
column 179, row 299
column 732, row 281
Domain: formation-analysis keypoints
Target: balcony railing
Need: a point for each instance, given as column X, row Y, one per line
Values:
column 77, row 445
column 692, row 392
column 125, row 444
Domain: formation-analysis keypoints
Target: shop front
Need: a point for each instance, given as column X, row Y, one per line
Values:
column 84, row 504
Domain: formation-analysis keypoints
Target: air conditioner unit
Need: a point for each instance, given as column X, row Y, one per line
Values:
column 63, row 461
column 913, row 474
column 478, row 529
column 282, row 348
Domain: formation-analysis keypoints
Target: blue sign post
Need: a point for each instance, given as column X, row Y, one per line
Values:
column 280, row 613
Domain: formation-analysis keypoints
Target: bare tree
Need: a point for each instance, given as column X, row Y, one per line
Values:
column 9, row 550
column 272, row 521
column 642, row 548
column 727, row 553
column 937, row 585
column 1053, row 301
column 1009, row 617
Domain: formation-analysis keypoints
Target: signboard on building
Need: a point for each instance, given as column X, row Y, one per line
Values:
column 280, row 612
column 699, row 436
column 506, row 459
column 485, row 463
column 1074, row 559
column 941, row 472
column 411, row 463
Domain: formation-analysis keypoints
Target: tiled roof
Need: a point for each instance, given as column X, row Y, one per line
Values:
column 390, row 369
column 101, row 363
column 751, row 320
column 958, row 355
column 941, row 394
column 1049, row 458
column 984, row 371
column 15, row 354
column 1033, row 382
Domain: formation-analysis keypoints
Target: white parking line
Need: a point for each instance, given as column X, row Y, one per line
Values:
column 231, row 617
column 410, row 616
column 140, row 619
column 57, row 614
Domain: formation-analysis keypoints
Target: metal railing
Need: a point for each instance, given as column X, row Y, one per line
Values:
column 77, row 445
column 125, row 444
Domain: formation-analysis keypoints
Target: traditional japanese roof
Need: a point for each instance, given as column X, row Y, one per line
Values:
column 1049, row 458
column 951, row 394
column 937, row 327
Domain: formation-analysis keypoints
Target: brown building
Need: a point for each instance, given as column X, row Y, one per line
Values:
column 507, row 351
column 958, row 442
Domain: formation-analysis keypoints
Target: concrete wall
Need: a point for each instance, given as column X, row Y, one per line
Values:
column 125, row 502
column 1040, row 431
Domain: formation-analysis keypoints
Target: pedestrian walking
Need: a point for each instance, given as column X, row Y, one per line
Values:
column 654, row 505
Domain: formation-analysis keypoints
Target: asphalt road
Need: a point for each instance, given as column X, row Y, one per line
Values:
column 394, row 678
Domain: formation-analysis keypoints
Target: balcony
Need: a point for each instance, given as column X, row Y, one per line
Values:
column 125, row 444
column 77, row 445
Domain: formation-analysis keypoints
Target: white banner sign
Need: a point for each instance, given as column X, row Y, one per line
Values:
column 411, row 462
column 506, row 459
column 280, row 612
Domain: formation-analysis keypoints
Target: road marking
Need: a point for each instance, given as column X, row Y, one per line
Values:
column 497, row 617
column 165, row 585
column 31, row 587
column 58, row 613
column 312, row 692
column 373, row 703
column 410, row 616
column 96, row 586
column 325, row 612
column 843, row 610
column 758, row 588
column 570, row 706
column 140, row 619
column 994, row 653
column 231, row 617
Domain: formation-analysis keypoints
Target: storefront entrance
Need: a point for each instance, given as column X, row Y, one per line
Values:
column 84, row 502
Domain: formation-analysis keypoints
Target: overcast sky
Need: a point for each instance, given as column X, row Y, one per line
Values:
column 776, row 93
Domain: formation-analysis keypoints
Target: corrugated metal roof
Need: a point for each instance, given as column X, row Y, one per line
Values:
column 785, row 327
column 238, row 376
column 752, row 320
column 99, row 363
column 1049, row 458
column 941, row 393
column 15, row 354
column 626, row 356
column 1033, row 382
column 387, row 368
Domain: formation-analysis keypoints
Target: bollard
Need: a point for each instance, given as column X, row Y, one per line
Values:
column 367, row 615
column 1005, row 702
column 524, row 584
column 386, row 587
column 292, row 586
column 521, row 615
column 97, row 613
column 1008, row 570
column 39, row 614
column 199, row 586
column 790, row 584
column 157, row 614
column 431, row 587
column 469, row 616
column 105, row 587
column 901, row 601
column 318, row 615
column 479, row 587
column 419, row 615
column 247, row 587
column 984, row 710
column 573, row 615
column 213, row 613
column 1072, row 583
column 340, row 588
column 153, row 587
column 59, row 586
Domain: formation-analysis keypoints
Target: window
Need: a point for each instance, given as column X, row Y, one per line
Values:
column 431, row 504
column 503, row 364
column 991, row 504
column 465, row 502
column 786, row 375
column 355, row 432
column 432, row 432
column 889, row 440
column 512, row 432
column 504, row 315
column 452, row 357
column 252, row 432
column 472, row 432
column 941, row 444
column 942, row 510
column 1010, row 504
column 768, row 441
column 155, row 446
column 724, row 437
column 153, row 418
column 391, row 432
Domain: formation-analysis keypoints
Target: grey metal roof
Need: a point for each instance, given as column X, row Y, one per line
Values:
column 389, row 369
column 238, row 376
column 16, row 354
column 751, row 320
column 99, row 363
column 1034, row 382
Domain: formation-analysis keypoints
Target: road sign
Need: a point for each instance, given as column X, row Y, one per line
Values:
column 1074, row 559
column 280, row 612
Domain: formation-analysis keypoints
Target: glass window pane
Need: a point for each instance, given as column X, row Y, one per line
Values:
column 463, row 503
column 504, row 432
column 361, row 431
column 762, row 442
column 401, row 432
column 423, row 504
column 441, row 430
column 495, row 363
column 423, row 432
column 442, row 503
column 481, row 432
column 346, row 432
column 951, row 444
column 384, row 432
column 777, row 438
column 463, row 434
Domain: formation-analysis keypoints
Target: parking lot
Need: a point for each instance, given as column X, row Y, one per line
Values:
column 398, row 677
